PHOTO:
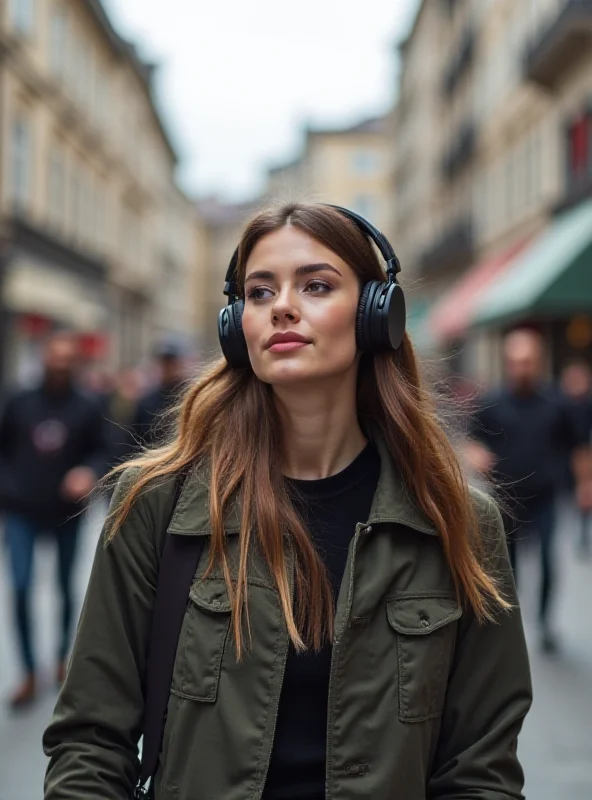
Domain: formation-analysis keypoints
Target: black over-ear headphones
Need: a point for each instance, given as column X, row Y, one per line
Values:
column 380, row 320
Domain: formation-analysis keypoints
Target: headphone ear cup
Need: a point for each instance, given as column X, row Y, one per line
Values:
column 237, row 312
column 396, row 317
column 231, row 335
column 363, row 340
column 380, row 323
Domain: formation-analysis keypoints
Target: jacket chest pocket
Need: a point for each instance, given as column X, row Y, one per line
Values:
column 202, row 641
column 425, row 647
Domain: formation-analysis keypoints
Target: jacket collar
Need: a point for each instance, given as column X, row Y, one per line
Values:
column 391, row 503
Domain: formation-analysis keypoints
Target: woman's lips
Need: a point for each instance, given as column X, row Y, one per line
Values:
column 286, row 347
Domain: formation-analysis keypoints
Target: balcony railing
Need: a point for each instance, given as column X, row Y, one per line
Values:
column 455, row 249
column 461, row 153
column 561, row 44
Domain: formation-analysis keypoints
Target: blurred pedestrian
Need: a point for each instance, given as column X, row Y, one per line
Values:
column 350, row 628
column 526, row 433
column 150, row 420
column 576, row 384
column 121, row 411
column 51, row 453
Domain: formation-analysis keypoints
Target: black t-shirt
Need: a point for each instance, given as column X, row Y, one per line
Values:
column 331, row 508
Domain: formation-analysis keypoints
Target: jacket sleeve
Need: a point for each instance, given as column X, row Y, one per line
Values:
column 93, row 736
column 7, row 426
column 489, row 693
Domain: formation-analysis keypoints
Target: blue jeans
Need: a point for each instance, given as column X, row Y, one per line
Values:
column 21, row 534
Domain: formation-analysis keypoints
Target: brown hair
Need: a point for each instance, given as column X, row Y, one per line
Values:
column 390, row 394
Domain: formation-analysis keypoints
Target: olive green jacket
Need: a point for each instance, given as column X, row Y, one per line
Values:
column 424, row 702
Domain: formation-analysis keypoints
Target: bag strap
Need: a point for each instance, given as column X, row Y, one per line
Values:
column 178, row 564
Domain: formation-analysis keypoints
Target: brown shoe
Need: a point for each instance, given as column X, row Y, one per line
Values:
column 61, row 672
column 25, row 694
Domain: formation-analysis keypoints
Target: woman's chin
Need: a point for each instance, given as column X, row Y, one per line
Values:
column 288, row 374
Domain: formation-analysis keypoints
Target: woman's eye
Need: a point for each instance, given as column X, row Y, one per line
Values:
column 259, row 293
column 317, row 286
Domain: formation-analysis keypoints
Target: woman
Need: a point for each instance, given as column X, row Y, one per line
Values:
column 352, row 629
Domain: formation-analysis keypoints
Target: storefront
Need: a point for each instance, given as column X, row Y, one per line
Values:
column 45, row 287
column 544, row 283
column 548, row 286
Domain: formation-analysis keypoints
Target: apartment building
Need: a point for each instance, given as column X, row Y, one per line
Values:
column 94, row 233
column 346, row 166
column 493, row 148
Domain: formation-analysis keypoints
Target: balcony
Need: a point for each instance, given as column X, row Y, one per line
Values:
column 454, row 250
column 561, row 45
column 459, row 64
column 461, row 152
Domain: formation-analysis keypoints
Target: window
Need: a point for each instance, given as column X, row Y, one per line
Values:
column 22, row 15
column 86, row 207
column 21, row 159
column 58, row 37
column 131, row 237
column 100, row 215
column 365, row 205
column 75, row 204
column 56, row 198
column 366, row 162
column 101, row 94
column 579, row 149
column 510, row 179
column 532, row 165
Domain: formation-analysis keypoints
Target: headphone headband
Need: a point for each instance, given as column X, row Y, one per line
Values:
column 380, row 316
column 393, row 265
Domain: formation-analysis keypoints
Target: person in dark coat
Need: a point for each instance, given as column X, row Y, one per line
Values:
column 52, row 452
column 527, row 432
column 150, row 420
column 576, row 384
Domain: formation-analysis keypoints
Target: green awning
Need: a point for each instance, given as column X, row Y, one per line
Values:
column 418, row 310
column 553, row 277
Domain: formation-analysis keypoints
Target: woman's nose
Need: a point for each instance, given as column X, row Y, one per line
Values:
column 285, row 309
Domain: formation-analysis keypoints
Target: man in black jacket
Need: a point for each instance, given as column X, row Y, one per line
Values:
column 51, row 454
column 150, row 423
column 528, row 434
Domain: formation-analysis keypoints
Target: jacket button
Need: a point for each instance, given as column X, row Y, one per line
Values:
column 425, row 622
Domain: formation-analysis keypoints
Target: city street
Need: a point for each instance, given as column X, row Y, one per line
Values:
column 556, row 746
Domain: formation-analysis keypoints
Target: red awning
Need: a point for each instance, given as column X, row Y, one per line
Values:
column 453, row 314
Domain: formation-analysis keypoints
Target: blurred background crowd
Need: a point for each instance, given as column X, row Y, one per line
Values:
column 479, row 172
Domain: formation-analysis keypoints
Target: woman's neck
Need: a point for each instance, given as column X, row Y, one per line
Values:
column 321, row 431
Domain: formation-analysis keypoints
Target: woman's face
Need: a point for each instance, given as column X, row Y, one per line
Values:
column 300, row 309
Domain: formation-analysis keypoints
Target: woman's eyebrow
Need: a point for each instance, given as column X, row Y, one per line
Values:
column 304, row 269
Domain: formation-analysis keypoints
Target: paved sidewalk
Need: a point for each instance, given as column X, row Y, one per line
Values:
column 555, row 747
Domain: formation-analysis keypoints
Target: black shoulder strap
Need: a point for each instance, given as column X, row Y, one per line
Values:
column 178, row 563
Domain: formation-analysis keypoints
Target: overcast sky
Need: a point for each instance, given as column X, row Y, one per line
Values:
column 240, row 78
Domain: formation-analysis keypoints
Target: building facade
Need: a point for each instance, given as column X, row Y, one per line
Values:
column 492, row 139
column 94, row 233
column 219, row 231
column 346, row 166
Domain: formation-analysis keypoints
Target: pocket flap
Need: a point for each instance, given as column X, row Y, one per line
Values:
column 416, row 615
column 211, row 594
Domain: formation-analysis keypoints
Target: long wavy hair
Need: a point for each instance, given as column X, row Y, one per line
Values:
column 248, row 462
